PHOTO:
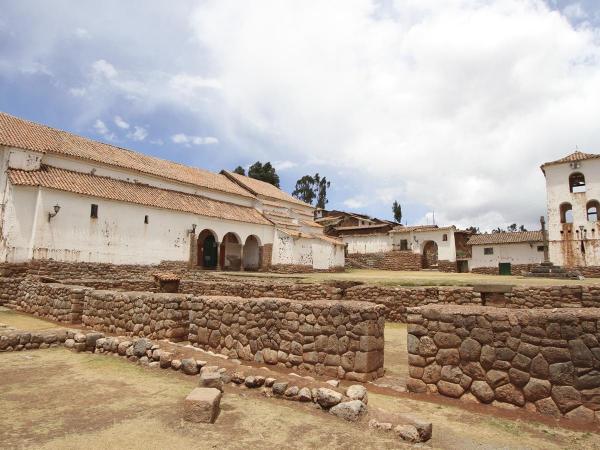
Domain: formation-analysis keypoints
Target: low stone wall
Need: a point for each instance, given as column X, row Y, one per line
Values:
column 344, row 340
column 588, row 272
column 148, row 314
column 54, row 301
column 9, row 289
column 394, row 260
column 17, row 340
column 447, row 266
column 110, row 284
column 545, row 361
column 515, row 269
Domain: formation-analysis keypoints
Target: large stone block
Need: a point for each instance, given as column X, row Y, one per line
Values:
column 202, row 405
column 368, row 361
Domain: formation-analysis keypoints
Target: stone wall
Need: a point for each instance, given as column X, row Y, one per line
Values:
column 17, row 340
column 447, row 266
column 148, row 314
column 515, row 269
column 9, row 289
column 344, row 340
column 58, row 302
column 394, row 260
column 545, row 361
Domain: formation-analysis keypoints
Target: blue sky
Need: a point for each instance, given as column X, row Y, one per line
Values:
column 444, row 106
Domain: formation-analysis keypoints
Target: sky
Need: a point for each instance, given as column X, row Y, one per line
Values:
column 449, row 107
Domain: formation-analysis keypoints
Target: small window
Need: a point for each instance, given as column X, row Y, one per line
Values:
column 94, row 211
column 403, row 244
column 577, row 182
column 444, row 237
column 592, row 208
column 488, row 251
column 566, row 213
column 540, row 248
column 146, row 219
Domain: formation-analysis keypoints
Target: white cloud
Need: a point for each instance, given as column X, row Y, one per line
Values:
column 36, row 68
column 77, row 92
column 184, row 139
column 104, row 68
column 81, row 33
column 433, row 99
column 121, row 123
column 138, row 133
column 356, row 202
column 101, row 128
column 575, row 11
column 284, row 165
column 186, row 84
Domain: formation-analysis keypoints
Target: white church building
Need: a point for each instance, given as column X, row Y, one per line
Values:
column 68, row 198
column 573, row 196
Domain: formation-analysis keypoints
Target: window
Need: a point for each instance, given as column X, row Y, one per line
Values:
column 540, row 248
column 488, row 250
column 592, row 208
column 577, row 182
column 94, row 211
column 403, row 244
column 566, row 213
column 146, row 219
column 444, row 237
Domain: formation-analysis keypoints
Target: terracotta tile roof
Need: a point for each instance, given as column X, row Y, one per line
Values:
column 141, row 194
column 506, row 238
column 258, row 187
column 15, row 132
column 575, row 156
column 362, row 227
column 417, row 228
column 322, row 237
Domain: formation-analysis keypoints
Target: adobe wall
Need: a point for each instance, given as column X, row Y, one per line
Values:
column 148, row 314
column 543, row 360
column 393, row 260
column 344, row 340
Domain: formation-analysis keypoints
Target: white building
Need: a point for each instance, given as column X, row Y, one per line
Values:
column 573, row 195
column 506, row 253
column 68, row 198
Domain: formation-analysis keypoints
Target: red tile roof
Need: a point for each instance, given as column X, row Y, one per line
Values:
column 573, row 157
column 258, row 187
column 15, row 132
column 506, row 238
column 141, row 194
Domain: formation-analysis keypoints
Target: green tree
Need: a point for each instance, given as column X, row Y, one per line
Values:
column 512, row 227
column 264, row 172
column 474, row 230
column 321, row 185
column 239, row 170
column 522, row 228
column 397, row 210
column 311, row 187
column 305, row 189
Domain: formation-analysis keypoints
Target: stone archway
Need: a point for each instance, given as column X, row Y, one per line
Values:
column 230, row 257
column 208, row 254
column 251, row 254
column 207, row 249
column 430, row 255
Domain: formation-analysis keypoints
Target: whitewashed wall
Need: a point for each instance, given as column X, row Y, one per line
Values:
column 373, row 243
column 315, row 253
column 522, row 253
column 565, row 248
column 118, row 235
column 417, row 239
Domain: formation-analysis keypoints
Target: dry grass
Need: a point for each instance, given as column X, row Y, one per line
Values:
column 421, row 278
column 23, row 321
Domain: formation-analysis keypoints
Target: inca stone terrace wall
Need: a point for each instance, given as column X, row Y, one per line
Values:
column 543, row 360
column 344, row 340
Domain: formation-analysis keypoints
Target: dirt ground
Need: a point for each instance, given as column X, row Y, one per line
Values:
column 421, row 278
column 55, row 399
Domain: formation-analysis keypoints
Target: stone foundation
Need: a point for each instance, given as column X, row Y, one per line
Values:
column 542, row 360
column 394, row 260
column 343, row 340
column 447, row 266
column 516, row 269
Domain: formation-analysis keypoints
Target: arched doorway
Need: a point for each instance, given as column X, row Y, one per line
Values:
column 231, row 252
column 207, row 250
column 251, row 253
column 430, row 255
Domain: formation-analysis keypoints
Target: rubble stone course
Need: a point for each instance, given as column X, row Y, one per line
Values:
column 544, row 360
column 343, row 340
